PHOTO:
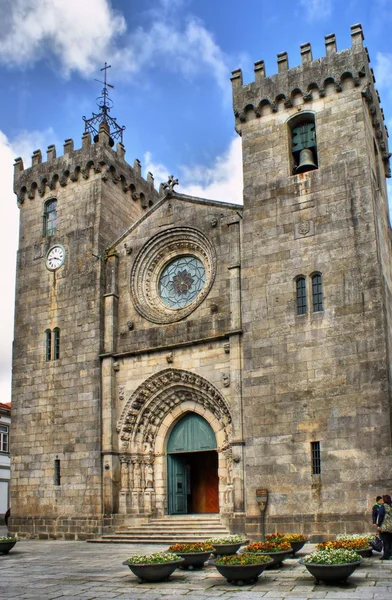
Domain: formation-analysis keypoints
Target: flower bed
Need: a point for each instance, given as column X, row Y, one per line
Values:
column 243, row 559
column 336, row 564
column 277, row 551
column 346, row 544
column 7, row 543
column 194, row 554
column 153, row 567
column 191, row 547
column 242, row 568
column 227, row 539
column 267, row 546
column 228, row 544
column 332, row 556
column 152, row 559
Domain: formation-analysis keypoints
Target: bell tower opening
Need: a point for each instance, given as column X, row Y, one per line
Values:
column 193, row 483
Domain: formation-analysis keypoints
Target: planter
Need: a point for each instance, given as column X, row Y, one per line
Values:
column 6, row 546
column 225, row 549
column 193, row 560
column 241, row 574
column 329, row 573
column 153, row 572
column 366, row 552
column 277, row 557
column 296, row 546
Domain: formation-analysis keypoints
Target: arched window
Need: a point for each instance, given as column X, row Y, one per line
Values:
column 50, row 217
column 317, row 292
column 56, row 343
column 301, row 295
column 303, row 143
column 48, row 345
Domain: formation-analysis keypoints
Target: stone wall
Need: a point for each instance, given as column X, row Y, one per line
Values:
column 56, row 404
column 322, row 376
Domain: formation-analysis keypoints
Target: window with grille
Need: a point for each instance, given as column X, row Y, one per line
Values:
column 317, row 292
column 48, row 345
column 50, row 217
column 301, row 295
column 3, row 438
column 316, row 458
column 56, row 343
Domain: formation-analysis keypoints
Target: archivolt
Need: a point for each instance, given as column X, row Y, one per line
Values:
column 157, row 397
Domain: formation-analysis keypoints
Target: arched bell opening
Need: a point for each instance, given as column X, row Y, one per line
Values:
column 192, row 467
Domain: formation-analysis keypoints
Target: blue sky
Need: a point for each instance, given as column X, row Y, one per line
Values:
column 171, row 63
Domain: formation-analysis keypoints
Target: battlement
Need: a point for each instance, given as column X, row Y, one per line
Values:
column 99, row 158
column 298, row 87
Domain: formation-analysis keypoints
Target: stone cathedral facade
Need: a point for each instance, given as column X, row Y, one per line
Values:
column 175, row 355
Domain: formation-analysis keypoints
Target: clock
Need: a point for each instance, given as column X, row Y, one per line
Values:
column 55, row 257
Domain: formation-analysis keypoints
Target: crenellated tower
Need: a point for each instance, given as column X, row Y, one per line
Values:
column 71, row 208
column 317, row 281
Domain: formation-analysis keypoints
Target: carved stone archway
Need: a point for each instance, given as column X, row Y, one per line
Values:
column 144, row 427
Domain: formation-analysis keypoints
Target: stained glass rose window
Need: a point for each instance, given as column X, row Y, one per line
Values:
column 181, row 281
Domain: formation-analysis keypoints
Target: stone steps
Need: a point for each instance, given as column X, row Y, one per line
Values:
column 167, row 530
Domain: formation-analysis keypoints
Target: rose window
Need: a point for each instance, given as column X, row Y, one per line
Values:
column 181, row 281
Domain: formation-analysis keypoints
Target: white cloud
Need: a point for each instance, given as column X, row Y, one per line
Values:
column 80, row 36
column 382, row 70
column 23, row 145
column 316, row 9
column 78, row 33
column 189, row 50
column 8, row 245
column 222, row 181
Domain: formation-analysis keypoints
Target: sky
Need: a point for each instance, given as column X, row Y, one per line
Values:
column 170, row 64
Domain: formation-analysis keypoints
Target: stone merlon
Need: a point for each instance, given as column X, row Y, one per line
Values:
column 92, row 159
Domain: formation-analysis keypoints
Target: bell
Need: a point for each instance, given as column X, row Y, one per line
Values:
column 306, row 162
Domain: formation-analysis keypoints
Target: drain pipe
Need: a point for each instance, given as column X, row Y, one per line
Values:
column 262, row 499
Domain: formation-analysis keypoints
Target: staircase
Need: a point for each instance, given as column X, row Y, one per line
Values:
column 168, row 530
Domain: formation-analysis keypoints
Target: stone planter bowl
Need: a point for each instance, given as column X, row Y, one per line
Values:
column 154, row 572
column 5, row 547
column 241, row 574
column 331, row 573
column 296, row 546
column 226, row 549
column 366, row 552
column 277, row 557
column 194, row 560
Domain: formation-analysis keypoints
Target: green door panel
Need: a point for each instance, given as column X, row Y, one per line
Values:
column 177, row 485
column 191, row 434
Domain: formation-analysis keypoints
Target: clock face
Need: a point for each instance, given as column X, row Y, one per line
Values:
column 55, row 257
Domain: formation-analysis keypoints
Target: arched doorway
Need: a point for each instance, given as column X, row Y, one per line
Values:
column 193, row 483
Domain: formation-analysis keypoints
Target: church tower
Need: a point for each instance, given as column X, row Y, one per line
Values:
column 316, row 291
column 71, row 208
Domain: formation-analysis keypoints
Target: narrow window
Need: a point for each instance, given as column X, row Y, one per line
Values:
column 301, row 296
column 3, row 438
column 56, row 343
column 317, row 292
column 57, row 472
column 48, row 348
column 50, row 217
column 316, row 458
column 303, row 143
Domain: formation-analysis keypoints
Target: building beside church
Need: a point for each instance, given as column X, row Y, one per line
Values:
column 5, row 424
column 176, row 355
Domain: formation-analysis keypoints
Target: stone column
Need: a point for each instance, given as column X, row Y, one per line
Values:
column 136, row 485
column 111, row 467
column 236, row 366
column 149, row 495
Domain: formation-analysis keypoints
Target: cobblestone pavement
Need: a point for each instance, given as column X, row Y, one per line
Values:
column 50, row 570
